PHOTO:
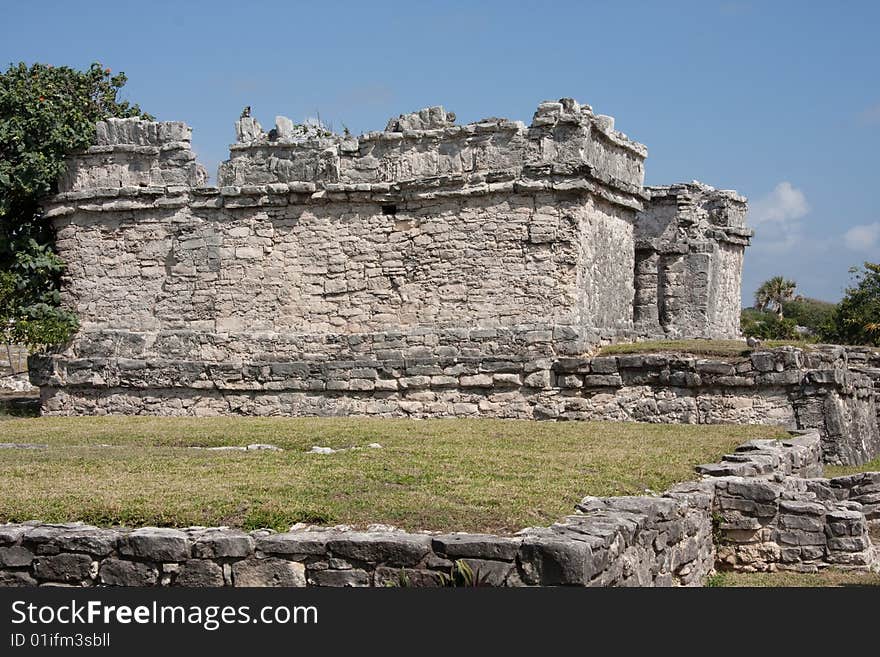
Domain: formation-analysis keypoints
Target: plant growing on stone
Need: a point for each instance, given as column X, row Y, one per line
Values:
column 461, row 575
column 46, row 112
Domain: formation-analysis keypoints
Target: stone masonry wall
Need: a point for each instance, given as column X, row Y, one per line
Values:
column 427, row 269
column 690, row 242
column 756, row 503
column 797, row 524
column 629, row 541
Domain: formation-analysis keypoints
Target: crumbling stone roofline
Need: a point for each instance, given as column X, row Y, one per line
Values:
column 566, row 149
column 689, row 189
column 726, row 210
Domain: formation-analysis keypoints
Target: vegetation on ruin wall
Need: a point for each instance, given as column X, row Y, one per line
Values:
column 457, row 474
column 46, row 112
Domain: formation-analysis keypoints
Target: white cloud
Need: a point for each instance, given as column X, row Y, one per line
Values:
column 776, row 218
column 864, row 237
column 784, row 204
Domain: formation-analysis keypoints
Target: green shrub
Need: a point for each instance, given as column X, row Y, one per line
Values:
column 856, row 319
column 813, row 314
column 46, row 112
column 767, row 325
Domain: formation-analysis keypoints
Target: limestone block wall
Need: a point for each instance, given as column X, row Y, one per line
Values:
column 690, row 242
column 758, row 504
column 346, row 267
column 427, row 269
column 793, row 524
column 616, row 542
column 425, row 236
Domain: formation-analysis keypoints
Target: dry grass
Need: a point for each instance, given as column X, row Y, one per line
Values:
column 842, row 470
column 826, row 578
column 490, row 475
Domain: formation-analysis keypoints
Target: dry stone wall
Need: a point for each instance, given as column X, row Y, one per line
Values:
column 690, row 242
column 427, row 269
column 760, row 504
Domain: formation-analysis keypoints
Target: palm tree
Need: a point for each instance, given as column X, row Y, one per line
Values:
column 773, row 293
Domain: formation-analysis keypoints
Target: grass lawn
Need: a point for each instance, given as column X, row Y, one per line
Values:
column 468, row 475
column 832, row 578
column 723, row 348
column 843, row 470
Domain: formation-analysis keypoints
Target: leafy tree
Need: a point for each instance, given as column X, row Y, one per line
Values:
column 813, row 314
column 767, row 325
column 856, row 319
column 773, row 293
column 46, row 112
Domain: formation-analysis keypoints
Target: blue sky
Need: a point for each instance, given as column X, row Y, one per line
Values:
column 778, row 100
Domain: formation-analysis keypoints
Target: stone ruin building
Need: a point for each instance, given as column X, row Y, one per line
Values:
column 441, row 270
column 430, row 269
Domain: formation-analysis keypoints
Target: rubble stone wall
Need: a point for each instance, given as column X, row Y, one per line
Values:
column 794, row 524
column 629, row 541
column 427, row 269
column 690, row 243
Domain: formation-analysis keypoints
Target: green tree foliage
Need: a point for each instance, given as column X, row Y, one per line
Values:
column 813, row 314
column 774, row 293
column 856, row 319
column 767, row 325
column 45, row 113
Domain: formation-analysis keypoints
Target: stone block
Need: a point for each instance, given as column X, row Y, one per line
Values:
column 16, row 578
column 223, row 544
column 476, row 546
column 15, row 557
column 391, row 549
column 65, row 567
column 547, row 560
column 268, row 572
column 340, row 578
column 198, row 573
column 408, row 577
column 156, row 544
column 295, row 543
column 119, row 572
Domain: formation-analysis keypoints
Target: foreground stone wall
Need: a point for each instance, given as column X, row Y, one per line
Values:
column 630, row 541
column 756, row 503
column 794, row 524
column 498, row 373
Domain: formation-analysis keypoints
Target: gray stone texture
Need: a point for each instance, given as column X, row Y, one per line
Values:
column 268, row 572
column 118, row 572
column 431, row 269
column 690, row 241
